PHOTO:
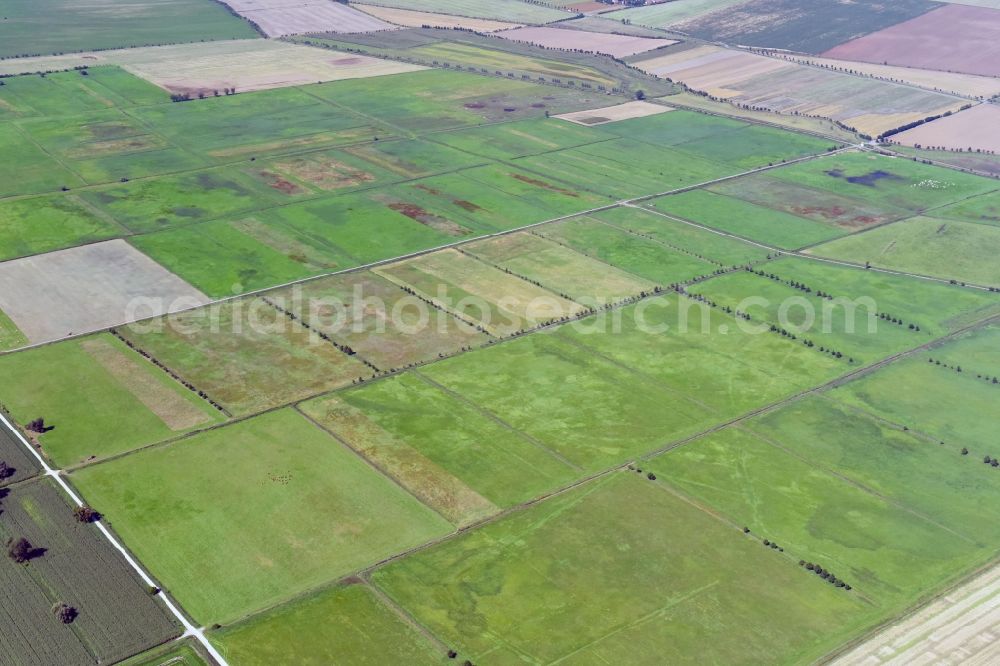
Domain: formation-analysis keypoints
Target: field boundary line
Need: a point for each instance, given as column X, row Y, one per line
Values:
column 189, row 629
column 454, row 244
column 403, row 614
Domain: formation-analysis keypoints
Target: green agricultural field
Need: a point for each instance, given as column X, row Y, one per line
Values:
column 99, row 399
column 74, row 93
column 71, row 563
column 487, row 199
column 268, row 507
column 108, row 145
column 582, row 576
column 34, row 27
column 745, row 219
column 703, row 357
column 229, row 257
column 436, row 99
column 879, row 180
column 625, row 168
column 376, row 318
column 559, row 268
column 962, row 251
column 270, row 247
column 769, row 192
column 940, row 403
column 443, row 448
column 686, row 238
column 479, row 293
column 349, row 624
column 886, row 553
column 974, row 352
column 171, row 201
column 518, row 139
column 644, row 257
column 906, row 468
column 585, row 407
column 230, row 128
column 984, row 209
column 674, row 128
column 501, row 10
column 246, row 355
column 414, row 158
column 755, row 146
column 935, row 307
column 27, row 169
column 853, row 321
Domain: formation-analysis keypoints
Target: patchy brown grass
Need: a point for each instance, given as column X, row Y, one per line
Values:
column 431, row 483
column 543, row 185
column 442, row 224
column 171, row 407
column 325, row 172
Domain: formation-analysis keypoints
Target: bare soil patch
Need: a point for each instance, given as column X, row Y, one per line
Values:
column 87, row 288
column 324, row 172
column 618, row 46
column 409, row 18
column 974, row 129
column 418, row 214
column 278, row 18
column 610, row 114
column 954, row 38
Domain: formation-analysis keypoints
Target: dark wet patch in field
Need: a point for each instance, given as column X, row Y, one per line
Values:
column 869, row 179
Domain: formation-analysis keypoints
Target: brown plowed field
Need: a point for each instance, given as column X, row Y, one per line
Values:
column 975, row 128
column 954, row 38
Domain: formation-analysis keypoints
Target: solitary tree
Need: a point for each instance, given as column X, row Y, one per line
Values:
column 19, row 549
column 64, row 612
column 6, row 471
column 85, row 514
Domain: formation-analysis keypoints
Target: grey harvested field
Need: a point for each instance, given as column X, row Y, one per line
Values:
column 50, row 296
column 618, row 46
column 958, row 628
column 278, row 18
